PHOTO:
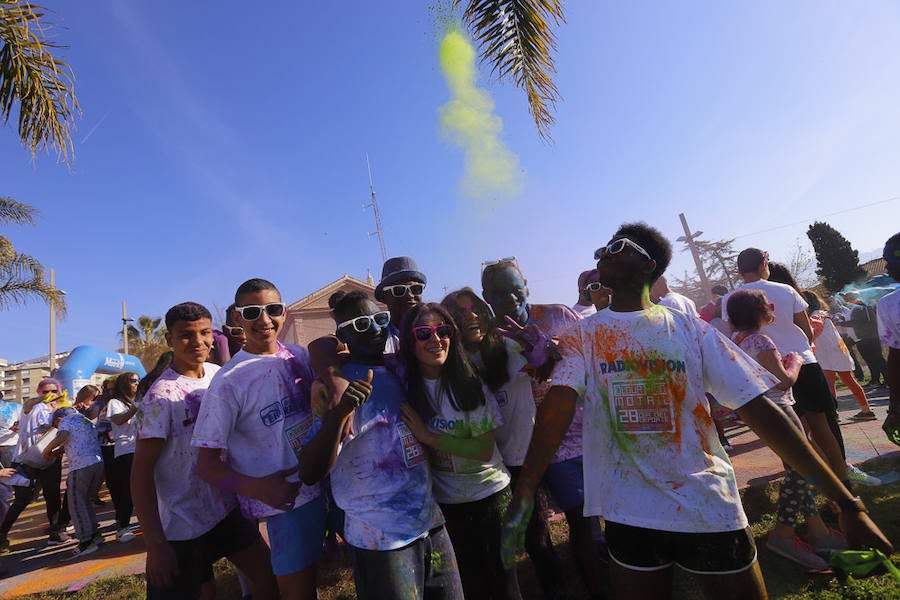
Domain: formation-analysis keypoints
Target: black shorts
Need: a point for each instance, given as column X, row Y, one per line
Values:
column 196, row 557
column 812, row 392
column 641, row 549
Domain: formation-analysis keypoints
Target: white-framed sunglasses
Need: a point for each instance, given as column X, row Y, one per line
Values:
column 594, row 286
column 509, row 260
column 619, row 245
column 252, row 312
column 401, row 289
column 362, row 323
column 232, row 331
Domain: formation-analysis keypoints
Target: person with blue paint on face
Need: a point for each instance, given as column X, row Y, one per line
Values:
column 379, row 474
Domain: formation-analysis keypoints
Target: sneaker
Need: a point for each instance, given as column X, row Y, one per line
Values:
column 864, row 415
column 855, row 475
column 796, row 550
column 98, row 538
column 833, row 542
column 83, row 549
column 57, row 538
column 124, row 535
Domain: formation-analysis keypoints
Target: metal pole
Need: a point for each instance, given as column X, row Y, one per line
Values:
column 124, row 328
column 374, row 206
column 689, row 240
column 52, row 361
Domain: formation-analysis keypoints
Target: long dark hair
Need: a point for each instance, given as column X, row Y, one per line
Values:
column 162, row 363
column 458, row 377
column 492, row 347
column 122, row 386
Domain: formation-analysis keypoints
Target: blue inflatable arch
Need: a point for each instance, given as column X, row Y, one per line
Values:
column 84, row 361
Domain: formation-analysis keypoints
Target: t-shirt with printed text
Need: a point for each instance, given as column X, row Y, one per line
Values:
column 381, row 477
column 258, row 408
column 457, row 479
column 652, row 456
column 188, row 506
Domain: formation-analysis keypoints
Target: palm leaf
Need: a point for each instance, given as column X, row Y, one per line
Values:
column 22, row 278
column 42, row 85
column 517, row 40
column 13, row 211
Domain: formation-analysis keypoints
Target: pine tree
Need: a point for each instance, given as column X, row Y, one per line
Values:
column 838, row 262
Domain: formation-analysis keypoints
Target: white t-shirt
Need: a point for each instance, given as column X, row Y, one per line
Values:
column 41, row 415
column 788, row 337
column 652, row 456
column 123, row 434
column 381, row 477
column 10, row 414
column 457, row 479
column 258, row 408
column 584, row 311
column 82, row 447
column 516, row 402
column 889, row 319
column 680, row 302
column 188, row 506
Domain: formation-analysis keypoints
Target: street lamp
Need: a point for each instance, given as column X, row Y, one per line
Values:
column 125, row 322
column 52, row 358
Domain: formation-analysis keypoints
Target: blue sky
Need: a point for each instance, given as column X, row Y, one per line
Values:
column 223, row 141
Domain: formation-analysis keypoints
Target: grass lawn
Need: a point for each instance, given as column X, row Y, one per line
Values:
column 784, row 579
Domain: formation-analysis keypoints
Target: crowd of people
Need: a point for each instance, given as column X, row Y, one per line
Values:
column 436, row 439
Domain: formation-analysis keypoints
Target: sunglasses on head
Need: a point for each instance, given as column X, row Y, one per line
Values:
column 252, row 312
column 401, row 289
column 232, row 331
column 594, row 286
column 509, row 260
column 444, row 331
column 619, row 245
column 363, row 323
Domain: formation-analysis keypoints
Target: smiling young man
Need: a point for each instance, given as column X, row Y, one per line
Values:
column 654, row 467
column 258, row 409
column 188, row 524
column 379, row 473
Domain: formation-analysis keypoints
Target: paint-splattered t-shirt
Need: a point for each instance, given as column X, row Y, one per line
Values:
column 788, row 337
column 516, row 402
column 554, row 320
column 754, row 344
column 258, row 408
column 381, row 477
column 458, row 479
column 889, row 320
column 188, row 506
column 652, row 456
column 82, row 447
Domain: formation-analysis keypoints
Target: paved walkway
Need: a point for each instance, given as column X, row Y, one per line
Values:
column 34, row 567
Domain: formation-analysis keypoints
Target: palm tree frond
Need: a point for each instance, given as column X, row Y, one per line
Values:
column 22, row 278
column 42, row 84
column 13, row 211
column 517, row 40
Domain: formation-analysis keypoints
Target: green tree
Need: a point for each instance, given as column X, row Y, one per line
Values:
column 516, row 38
column 21, row 275
column 38, row 88
column 838, row 262
column 147, row 340
column 719, row 262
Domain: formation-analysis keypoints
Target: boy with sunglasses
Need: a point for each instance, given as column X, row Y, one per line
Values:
column 655, row 468
column 257, row 408
column 379, row 473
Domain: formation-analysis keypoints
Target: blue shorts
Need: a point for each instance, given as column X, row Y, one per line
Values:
column 296, row 537
column 565, row 480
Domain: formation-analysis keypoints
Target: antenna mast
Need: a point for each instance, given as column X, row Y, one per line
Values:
column 374, row 206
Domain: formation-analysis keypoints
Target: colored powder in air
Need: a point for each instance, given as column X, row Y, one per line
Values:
column 492, row 171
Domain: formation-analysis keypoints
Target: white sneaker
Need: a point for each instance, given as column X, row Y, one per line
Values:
column 124, row 535
column 856, row 475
